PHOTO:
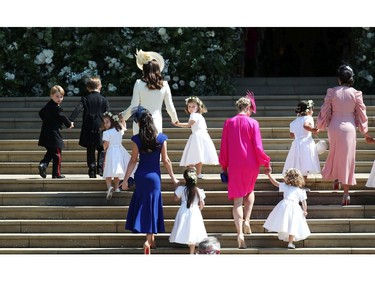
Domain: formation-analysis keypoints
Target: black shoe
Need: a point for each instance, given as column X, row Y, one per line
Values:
column 99, row 171
column 58, row 177
column 92, row 174
column 42, row 170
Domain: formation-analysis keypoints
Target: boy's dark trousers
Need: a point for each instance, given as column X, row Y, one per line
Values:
column 55, row 155
column 95, row 168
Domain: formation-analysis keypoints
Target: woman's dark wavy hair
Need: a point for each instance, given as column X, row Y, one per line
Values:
column 191, row 190
column 148, row 132
column 345, row 74
column 152, row 75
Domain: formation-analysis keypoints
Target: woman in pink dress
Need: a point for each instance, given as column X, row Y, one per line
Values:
column 241, row 155
column 342, row 111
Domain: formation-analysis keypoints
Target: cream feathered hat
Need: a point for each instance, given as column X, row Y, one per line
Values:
column 144, row 57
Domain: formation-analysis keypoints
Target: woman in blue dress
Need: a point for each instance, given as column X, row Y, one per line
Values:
column 145, row 214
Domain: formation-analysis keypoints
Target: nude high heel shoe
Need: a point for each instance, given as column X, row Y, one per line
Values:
column 241, row 242
column 146, row 248
column 246, row 227
column 345, row 200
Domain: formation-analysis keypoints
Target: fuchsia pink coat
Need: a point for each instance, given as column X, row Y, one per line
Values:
column 242, row 154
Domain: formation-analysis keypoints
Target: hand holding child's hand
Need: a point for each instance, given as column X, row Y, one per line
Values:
column 369, row 139
column 176, row 182
column 124, row 185
column 267, row 171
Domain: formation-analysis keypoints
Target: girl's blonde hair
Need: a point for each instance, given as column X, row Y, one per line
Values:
column 294, row 177
column 201, row 107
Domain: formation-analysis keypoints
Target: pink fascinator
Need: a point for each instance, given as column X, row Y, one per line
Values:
column 250, row 96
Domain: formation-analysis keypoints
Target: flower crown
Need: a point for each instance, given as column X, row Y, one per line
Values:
column 112, row 116
column 193, row 99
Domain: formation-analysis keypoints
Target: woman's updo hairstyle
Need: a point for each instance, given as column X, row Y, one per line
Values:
column 345, row 74
column 242, row 103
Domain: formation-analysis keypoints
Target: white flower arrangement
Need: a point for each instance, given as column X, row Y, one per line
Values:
column 142, row 57
column 310, row 105
column 71, row 61
column 114, row 117
column 107, row 113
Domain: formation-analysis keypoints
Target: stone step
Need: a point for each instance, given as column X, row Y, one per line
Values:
column 210, row 182
column 209, row 212
column 81, row 168
column 175, row 155
column 212, row 226
column 212, row 122
column 313, row 253
column 121, row 103
column 124, row 240
column 72, row 144
column 172, row 133
column 98, row 198
column 228, row 110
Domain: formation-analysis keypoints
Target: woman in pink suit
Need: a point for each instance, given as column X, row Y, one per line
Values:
column 342, row 111
column 241, row 155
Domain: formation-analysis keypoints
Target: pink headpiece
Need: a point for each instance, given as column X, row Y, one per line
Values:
column 250, row 96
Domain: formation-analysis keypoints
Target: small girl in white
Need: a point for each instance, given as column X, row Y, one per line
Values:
column 188, row 226
column 371, row 179
column 199, row 148
column 302, row 153
column 116, row 156
column 287, row 218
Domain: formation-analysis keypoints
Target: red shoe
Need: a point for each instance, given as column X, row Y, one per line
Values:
column 146, row 248
column 336, row 185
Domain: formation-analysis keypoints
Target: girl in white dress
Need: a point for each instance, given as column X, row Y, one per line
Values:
column 188, row 226
column 199, row 148
column 371, row 179
column 288, row 219
column 302, row 153
column 116, row 156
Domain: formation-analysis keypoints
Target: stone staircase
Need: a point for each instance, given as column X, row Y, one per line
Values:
column 71, row 215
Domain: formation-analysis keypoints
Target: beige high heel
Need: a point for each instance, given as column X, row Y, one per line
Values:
column 246, row 227
column 146, row 248
column 241, row 242
column 345, row 200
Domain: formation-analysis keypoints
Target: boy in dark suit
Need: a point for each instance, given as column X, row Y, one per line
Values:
column 93, row 106
column 50, row 136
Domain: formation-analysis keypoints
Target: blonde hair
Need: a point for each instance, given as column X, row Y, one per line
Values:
column 93, row 83
column 201, row 107
column 242, row 103
column 56, row 89
column 294, row 177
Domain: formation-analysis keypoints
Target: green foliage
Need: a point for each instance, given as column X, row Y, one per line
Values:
column 364, row 59
column 199, row 61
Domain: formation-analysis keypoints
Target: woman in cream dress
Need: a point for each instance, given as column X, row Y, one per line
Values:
column 151, row 90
